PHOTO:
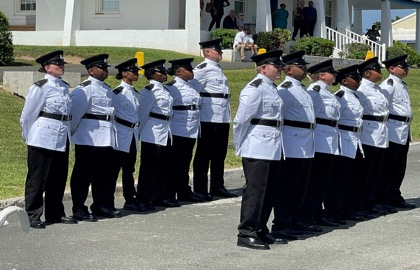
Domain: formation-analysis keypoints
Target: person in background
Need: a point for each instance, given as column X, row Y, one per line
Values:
column 399, row 122
column 217, row 12
column 212, row 141
column 298, row 20
column 373, row 34
column 243, row 41
column 126, row 104
column 45, row 129
column 240, row 21
column 257, row 136
column 93, row 133
column 310, row 15
column 280, row 17
column 229, row 22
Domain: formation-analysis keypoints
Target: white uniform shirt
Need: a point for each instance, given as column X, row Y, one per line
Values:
column 374, row 133
column 126, row 104
column 240, row 37
column 258, row 100
column 185, row 123
column 155, row 98
column 351, row 112
column 51, row 97
column 326, row 107
column 212, row 79
column 92, row 97
column 298, row 106
column 395, row 90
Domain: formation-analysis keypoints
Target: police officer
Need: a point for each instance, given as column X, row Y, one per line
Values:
column 155, row 136
column 342, row 200
column 257, row 136
column 374, row 135
column 327, row 114
column 93, row 133
column 126, row 104
column 298, row 141
column 184, row 127
column 212, row 142
column 399, row 121
column 45, row 129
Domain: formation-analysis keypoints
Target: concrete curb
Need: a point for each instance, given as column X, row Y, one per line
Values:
column 230, row 175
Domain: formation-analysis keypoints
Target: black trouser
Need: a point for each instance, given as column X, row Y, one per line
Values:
column 126, row 162
column 47, row 172
column 319, row 181
column 93, row 166
column 211, row 149
column 154, row 173
column 297, row 27
column 216, row 18
column 309, row 27
column 258, row 195
column 291, row 190
column 182, row 152
column 394, row 167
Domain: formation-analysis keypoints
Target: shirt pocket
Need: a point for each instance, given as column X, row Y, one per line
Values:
column 331, row 109
column 271, row 108
column 101, row 101
column 125, row 105
column 58, row 104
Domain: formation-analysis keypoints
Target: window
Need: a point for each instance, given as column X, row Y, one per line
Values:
column 328, row 13
column 239, row 6
column 108, row 6
column 26, row 7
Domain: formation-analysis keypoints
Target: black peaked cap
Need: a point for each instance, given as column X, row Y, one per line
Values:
column 350, row 71
column 272, row 57
column 296, row 58
column 129, row 65
column 55, row 57
column 325, row 66
column 157, row 65
column 369, row 64
column 213, row 44
column 100, row 60
column 396, row 61
column 185, row 63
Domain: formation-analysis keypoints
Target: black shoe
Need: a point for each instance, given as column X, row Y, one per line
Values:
column 106, row 212
column 251, row 242
column 378, row 210
column 146, row 205
column 306, row 228
column 37, row 224
column 191, row 198
column 205, row 196
column 64, row 220
column 389, row 209
column 327, row 222
column 84, row 216
column 134, row 206
column 403, row 205
column 222, row 192
column 168, row 203
column 365, row 214
column 271, row 239
column 285, row 235
column 354, row 217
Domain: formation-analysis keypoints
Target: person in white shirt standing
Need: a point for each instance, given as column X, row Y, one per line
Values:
column 243, row 41
column 399, row 121
column 46, row 131
column 127, row 106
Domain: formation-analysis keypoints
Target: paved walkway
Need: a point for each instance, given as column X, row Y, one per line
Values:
column 203, row 236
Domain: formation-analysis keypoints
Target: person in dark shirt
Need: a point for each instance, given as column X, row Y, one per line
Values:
column 373, row 34
column 298, row 21
column 309, row 13
column 217, row 12
column 229, row 22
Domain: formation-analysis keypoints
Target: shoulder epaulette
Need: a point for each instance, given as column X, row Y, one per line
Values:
column 40, row 83
column 201, row 66
column 65, row 82
column 118, row 90
column 316, row 88
column 286, row 84
column 149, row 87
column 340, row 93
column 171, row 82
column 256, row 82
column 85, row 83
column 390, row 82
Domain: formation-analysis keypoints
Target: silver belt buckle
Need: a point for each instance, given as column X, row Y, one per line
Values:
column 312, row 125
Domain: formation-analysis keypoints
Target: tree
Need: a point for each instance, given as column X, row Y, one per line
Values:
column 6, row 43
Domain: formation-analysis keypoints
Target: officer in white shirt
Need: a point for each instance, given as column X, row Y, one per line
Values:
column 46, row 131
column 257, row 136
column 155, row 135
column 342, row 199
column 93, row 133
column 213, row 137
column 299, row 148
column 127, row 106
column 399, row 121
column 184, row 126
column 327, row 114
column 374, row 135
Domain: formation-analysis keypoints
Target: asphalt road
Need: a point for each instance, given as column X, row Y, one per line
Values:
column 203, row 236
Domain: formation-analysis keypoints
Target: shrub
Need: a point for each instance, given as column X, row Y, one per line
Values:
column 273, row 40
column 355, row 51
column 315, row 46
column 400, row 48
column 6, row 44
column 227, row 36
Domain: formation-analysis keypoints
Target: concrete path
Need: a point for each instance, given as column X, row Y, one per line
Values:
column 203, row 236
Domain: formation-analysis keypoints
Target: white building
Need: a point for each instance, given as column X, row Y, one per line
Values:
column 173, row 24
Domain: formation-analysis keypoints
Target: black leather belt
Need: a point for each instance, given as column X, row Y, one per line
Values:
column 406, row 119
column 126, row 123
column 103, row 117
column 215, row 95
column 186, row 107
column 327, row 122
column 159, row 116
column 299, row 124
column 350, row 128
column 375, row 118
column 60, row 117
column 266, row 122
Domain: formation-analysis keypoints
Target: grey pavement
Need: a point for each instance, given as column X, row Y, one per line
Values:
column 203, row 236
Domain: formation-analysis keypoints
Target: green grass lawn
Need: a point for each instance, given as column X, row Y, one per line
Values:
column 13, row 149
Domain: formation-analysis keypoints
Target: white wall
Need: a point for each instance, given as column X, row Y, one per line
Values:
column 8, row 9
column 50, row 15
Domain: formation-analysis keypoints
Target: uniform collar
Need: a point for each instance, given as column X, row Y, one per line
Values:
column 266, row 79
column 95, row 80
column 52, row 78
column 211, row 62
column 395, row 78
column 126, row 85
column 323, row 85
column 293, row 80
column 368, row 83
column 178, row 79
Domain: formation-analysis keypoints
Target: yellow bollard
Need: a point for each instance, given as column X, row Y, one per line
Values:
column 140, row 61
column 261, row 50
column 369, row 55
